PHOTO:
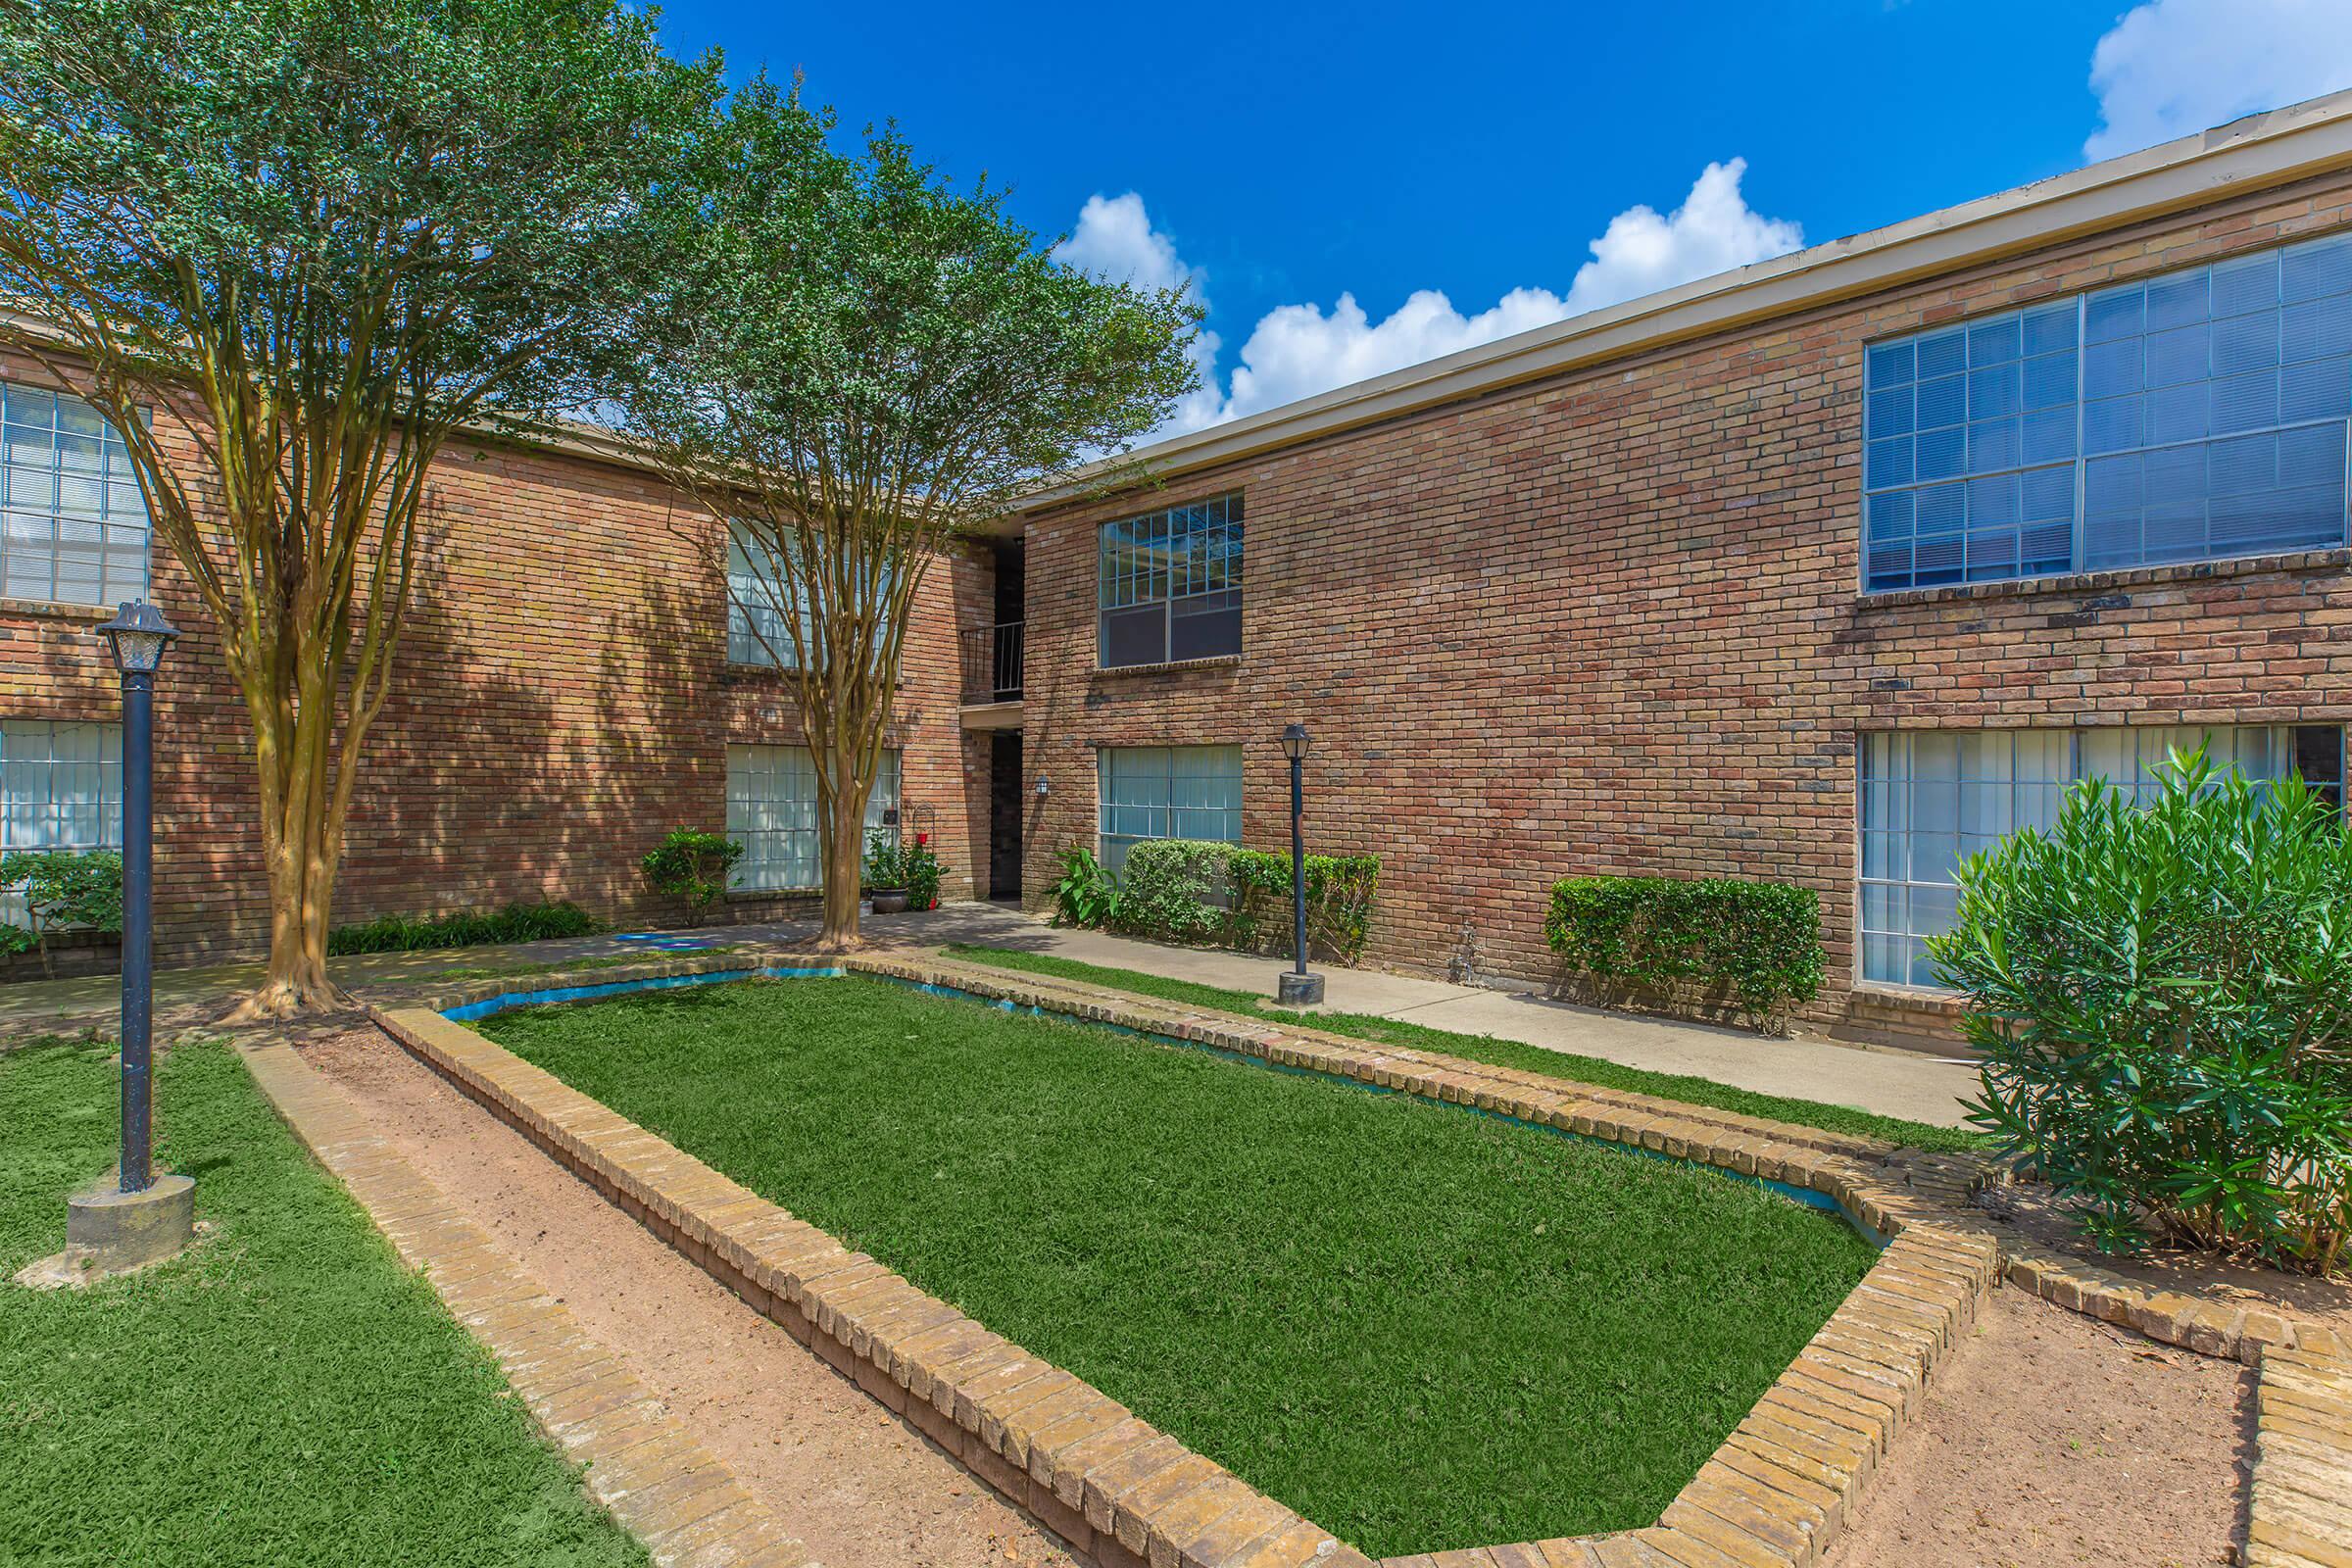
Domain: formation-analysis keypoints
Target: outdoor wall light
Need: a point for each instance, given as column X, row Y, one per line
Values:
column 1042, row 790
column 1297, row 987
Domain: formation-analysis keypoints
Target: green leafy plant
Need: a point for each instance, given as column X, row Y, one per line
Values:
column 1690, row 941
column 1088, row 894
column 516, row 923
column 2163, row 999
column 912, row 867
column 65, row 889
column 1222, row 895
column 691, row 866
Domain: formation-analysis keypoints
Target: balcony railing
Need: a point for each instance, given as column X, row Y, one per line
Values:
column 991, row 662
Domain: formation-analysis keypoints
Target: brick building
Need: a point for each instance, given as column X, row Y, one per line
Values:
column 1820, row 570
column 571, row 692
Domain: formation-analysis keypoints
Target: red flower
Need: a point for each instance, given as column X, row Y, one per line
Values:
column 921, row 839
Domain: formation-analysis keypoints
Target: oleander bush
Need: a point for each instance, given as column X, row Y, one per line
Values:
column 1221, row 895
column 516, row 923
column 1754, row 947
column 2161, row 995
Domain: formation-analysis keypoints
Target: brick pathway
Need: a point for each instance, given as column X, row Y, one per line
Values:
column 662, row 1485
column 2301, row 1510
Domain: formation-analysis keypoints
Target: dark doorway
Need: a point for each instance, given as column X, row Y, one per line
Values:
column 1005, row 815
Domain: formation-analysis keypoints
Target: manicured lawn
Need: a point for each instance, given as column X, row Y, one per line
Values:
column 287, row 1394
column 1419, row 1327
column 1490, row 1048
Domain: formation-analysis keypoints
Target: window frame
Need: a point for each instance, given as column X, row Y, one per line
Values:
column 891, row 807
column 1167, row 808
column 2080, row 461
column 1231, row 526
column 112, row 480
column 2074, row 736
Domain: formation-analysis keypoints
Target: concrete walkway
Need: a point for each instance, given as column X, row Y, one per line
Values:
column 1903, row 1084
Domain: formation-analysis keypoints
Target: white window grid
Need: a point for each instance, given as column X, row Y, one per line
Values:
column 772, row 811
column 2200, row 415
column 1166, row 791
column 1928, row 799
column 73, row 527
column 1186, row 560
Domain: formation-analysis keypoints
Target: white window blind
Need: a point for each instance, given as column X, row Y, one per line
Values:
column 1169, row 792
column 771, row 809
column 72, row 523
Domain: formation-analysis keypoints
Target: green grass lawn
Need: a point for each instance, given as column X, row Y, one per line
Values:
column 1420, row 1327
column 287, row 1394
column 1488, row 1049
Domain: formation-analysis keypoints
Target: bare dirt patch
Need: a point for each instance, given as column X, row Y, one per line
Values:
column 2049, row 1439
column 2038, row 1211
column 856, row 1485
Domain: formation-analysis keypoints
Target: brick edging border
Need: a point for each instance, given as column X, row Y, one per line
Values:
column 1117, row 1490
column 2300, row 1495
column 1774, row 1493
column 662, row 1485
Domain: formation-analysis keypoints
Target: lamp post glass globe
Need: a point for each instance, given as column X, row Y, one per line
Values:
column 138, row 637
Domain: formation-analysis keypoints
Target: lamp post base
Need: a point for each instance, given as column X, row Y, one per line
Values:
column 1295, row 990
column 116, row 1229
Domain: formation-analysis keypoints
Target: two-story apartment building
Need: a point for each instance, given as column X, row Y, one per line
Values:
column 1825, row 570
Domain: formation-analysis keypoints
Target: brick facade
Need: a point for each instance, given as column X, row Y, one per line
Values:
column 567, row 700
column 1611, row 623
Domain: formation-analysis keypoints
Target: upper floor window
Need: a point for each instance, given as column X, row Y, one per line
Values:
column 762, row 600
column 1170, row 585
column 72, row 523
column 2195, row 416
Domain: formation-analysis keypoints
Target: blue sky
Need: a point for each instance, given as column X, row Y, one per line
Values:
column 1324, row 175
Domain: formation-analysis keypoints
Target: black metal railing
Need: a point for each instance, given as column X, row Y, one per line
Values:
column 991, row 662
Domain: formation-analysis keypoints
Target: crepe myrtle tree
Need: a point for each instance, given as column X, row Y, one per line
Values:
column 854, row 363
column 303, row 243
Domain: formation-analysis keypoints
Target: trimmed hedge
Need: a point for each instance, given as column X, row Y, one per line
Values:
column 516, row 923
column 1681, row 940
column 1221, row 895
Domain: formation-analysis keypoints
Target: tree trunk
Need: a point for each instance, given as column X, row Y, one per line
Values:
column 298, row 836
column 845, row 866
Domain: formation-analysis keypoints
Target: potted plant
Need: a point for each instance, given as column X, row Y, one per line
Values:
column 918, row 869
column 885, row 875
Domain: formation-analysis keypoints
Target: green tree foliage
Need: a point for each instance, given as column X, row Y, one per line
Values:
column 290, row 248
column 854, row 362
column 2163, row 997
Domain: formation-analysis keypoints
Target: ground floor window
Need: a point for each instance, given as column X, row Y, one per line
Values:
column 1931, row 799
column 1169, row 792
column 771, row 811
column 60, row 788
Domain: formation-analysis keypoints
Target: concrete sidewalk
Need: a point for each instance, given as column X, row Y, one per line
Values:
column 1891, row 1083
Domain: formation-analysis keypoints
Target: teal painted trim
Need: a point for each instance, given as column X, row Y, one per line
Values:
column 508, row 1001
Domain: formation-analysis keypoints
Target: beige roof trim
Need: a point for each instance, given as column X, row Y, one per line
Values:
column 2259, row 151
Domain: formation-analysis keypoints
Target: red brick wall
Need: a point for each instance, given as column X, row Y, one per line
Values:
column 1611, row 624
column 566, row 700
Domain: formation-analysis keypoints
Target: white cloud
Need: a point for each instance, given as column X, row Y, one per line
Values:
column 1295, row 351
column 2172, row 68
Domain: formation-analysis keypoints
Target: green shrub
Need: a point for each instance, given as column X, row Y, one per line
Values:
column 2163, row 997
column 690, row 867
column 63, row 889
column 1677, row 940
column 516, row 923
column 1221, row 895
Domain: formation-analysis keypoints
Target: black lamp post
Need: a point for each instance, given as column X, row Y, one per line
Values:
column 1298, row 988
column 138, row 637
